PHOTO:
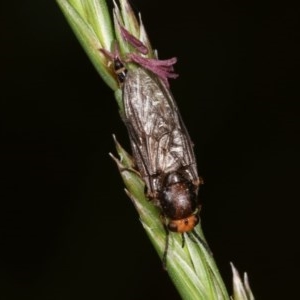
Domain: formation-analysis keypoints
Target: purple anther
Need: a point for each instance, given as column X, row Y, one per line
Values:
column 162, row 68
column 136, row 43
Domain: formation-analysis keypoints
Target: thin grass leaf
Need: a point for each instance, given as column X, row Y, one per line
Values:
column 77, row 5
column 129, row 19
column 247, row 287
column 89, row 41
column 241, row 290
column 99, row 19
column 143, row 37
column 118, row 21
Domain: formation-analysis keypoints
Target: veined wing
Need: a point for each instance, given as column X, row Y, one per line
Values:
column 159, row 139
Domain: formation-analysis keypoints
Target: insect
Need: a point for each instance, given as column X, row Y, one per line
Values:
column 161, row 147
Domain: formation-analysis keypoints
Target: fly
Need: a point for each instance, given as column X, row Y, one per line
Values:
column 161, row 147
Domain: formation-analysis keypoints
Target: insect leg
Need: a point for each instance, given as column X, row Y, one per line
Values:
column 183, row 240
column 195, row 237
column 164, row 258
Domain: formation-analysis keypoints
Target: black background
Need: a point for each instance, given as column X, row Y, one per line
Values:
column 67, row 230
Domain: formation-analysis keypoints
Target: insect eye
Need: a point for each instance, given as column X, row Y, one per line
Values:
column 172, row 226
column 118, row 64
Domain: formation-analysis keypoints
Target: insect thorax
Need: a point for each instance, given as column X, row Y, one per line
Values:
column 178, row 198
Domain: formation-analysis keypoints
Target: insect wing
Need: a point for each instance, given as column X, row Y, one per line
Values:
column 159, row 139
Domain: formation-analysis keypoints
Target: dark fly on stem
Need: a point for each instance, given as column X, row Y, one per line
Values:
column 162, row 149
